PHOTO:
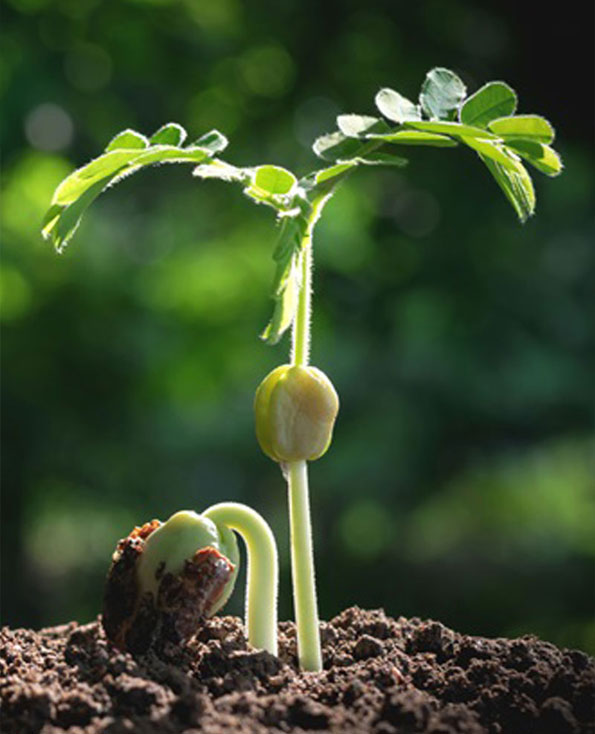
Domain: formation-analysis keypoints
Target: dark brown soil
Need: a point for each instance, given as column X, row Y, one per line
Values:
column 381, row 675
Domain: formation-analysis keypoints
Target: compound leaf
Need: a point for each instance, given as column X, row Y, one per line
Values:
column 444, row 127
column 287, row 279
column 396, row 107
column 215, row 168
column 523, row 127
column 380, row 158
column 441, row 93
column 125, row 154
column 542, row 157
column 516, row 184
column 492, row 149
column 127, row 139
column 416, row 137
column 213, row 141
column 169, row 134
column 494, row 99
column 274, row 180
column 337, row 147
column 355, row 126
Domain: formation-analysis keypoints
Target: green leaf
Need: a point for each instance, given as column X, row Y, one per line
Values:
column 213, row 141
column 355, row 126
column 396, row 107
column 285, row 304
column 380, row 158
column 493, row 149
column 523, row 127
column 516, row 183
column 441, row 93
column 450, row 128
column 78, row 190
column 336, row 147
column 274, row 180
column 327, row 177
column 169, row 134
column 494, row 99
column 127, row 140
column 63, row 227
column 416, row 137
column 541, row 156
column 286, row 282
column 274, row 186
column 168, row 154
column 216, row 168
column 107, row 165
column 327, row 174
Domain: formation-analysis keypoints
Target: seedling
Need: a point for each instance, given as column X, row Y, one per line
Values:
column 296, row 404
column 166, row 578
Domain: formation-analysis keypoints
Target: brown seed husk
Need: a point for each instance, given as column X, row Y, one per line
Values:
column 135, row 621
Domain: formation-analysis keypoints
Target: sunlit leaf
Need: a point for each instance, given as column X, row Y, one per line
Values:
column 355, row 126
column 69, row 220
column 128, row 139
column 450, row 128
column 213, row 141
column 169, row 154
column 286, row 282
column 274, row 180
column 80, row 188
column 216, row 168
column 541, row 156
column 340, row 148
column 327, row 174
column 491, row 149
column 396, row 107
column 516, row 183
column 380, row 158
column 441, row 93
column 336, row 147
column 523, row 127
column 494, row 99
column 285, row 305
column 416, row 137
column 169, row 134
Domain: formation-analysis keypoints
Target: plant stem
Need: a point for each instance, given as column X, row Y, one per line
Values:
column 300, row 349
column 302, row 556
column 302, row 568
column 300, row 337
column 263, row 574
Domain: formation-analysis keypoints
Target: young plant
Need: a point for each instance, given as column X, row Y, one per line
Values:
column 166, row 578
column 296, row 404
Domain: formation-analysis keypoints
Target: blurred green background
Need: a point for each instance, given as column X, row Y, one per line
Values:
column 460, row 485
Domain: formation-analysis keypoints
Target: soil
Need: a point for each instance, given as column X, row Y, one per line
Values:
column 382, row 675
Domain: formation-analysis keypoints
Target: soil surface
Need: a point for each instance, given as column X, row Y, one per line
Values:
column 381, row 675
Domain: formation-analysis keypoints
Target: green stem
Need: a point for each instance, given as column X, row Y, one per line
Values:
column 302, row 555
column 263, row 574
column 300, row 351
column 300, row 348
column 302, row 568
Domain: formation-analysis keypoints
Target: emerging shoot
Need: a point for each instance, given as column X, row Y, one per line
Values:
column 166, row 578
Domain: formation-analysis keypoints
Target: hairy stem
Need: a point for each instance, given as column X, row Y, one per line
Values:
column 302, row 568
column 300, row 337
column 263, row 574
column 302, row 556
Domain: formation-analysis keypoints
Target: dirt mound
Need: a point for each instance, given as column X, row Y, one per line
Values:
column 381, row 675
